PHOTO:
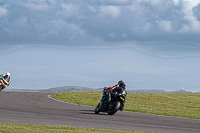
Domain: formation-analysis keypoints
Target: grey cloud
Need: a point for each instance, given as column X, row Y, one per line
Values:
column 94, row 22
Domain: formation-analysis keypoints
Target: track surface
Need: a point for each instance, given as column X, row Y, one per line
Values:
column 37, row 108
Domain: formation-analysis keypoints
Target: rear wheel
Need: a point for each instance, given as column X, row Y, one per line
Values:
column 115, row 108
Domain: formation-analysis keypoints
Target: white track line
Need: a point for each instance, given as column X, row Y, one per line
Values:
column 49, row 96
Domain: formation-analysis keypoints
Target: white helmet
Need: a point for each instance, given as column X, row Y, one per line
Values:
column 8, row 73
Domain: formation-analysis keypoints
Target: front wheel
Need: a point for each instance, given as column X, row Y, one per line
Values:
column 97, row 109
column 1, row 88
column 115, row 108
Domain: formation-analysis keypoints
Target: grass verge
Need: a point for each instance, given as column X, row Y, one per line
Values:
column 22, row 128
column 171, row 104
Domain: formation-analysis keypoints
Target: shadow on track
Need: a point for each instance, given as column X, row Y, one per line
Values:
column 91, row 112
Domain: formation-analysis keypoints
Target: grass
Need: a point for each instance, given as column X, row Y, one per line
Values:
column 171, row 104
column 22, row 128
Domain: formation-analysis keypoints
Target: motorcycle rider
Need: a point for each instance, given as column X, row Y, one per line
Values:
column 119, row 84
column 112, row 92
column 4, row 80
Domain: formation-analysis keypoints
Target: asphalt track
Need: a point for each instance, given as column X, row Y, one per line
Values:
column 39, row 109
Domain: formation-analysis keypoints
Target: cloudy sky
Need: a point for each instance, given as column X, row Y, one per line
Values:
column 165, row 30
column 163, row 27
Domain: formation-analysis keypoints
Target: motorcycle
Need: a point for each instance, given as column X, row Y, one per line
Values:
column 117, row 101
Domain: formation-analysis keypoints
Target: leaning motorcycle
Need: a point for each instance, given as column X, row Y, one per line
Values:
column 115, row 103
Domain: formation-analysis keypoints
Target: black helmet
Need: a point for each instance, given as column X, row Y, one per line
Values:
column 121, row 84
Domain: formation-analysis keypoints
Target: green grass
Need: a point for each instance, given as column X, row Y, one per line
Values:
column 22, row 128
column 171, row 104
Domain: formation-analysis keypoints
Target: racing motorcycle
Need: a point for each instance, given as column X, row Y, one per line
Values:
column 117, row 96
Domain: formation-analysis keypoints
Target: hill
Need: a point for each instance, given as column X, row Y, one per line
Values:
column 70, row 89
column 59, row 89
column 87, row 89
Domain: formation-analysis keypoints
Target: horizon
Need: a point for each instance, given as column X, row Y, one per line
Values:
column 96, row 68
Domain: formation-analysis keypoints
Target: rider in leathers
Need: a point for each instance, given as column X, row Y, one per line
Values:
column 112, row 92
column 4, row 80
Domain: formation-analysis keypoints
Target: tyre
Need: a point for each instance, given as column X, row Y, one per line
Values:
column 97, row 109
column 1, row 88
column 115, row 108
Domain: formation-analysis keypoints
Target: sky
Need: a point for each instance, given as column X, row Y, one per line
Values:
column 162, row 28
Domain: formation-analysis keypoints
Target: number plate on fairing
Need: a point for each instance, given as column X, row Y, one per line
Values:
column 122, row 98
